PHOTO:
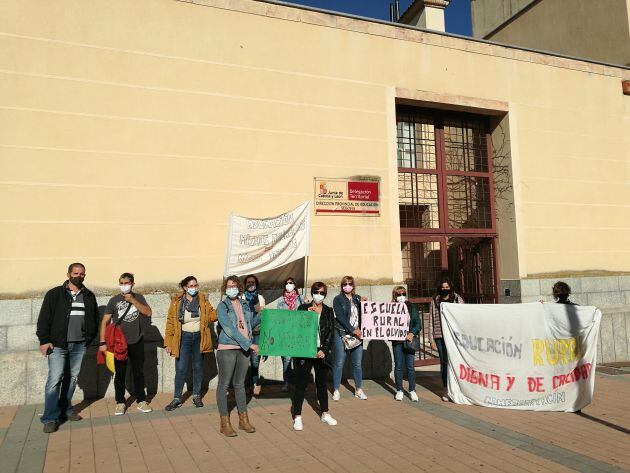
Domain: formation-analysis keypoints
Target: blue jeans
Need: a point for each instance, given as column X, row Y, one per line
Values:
column 339, row 353
column 63, row 370
column 402, row 357
column 190, row 347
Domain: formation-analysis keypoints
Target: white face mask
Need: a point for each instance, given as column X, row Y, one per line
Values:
column 289, row 287
column 401, row 299
column 125, row 288
column 251, row 288
column 318, row 298
column 231, row 292
column 192, row 291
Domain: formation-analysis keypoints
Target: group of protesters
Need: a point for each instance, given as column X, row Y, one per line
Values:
column 69, row 321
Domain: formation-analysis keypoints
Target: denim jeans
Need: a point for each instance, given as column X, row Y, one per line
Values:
column 441, row 347
column 339, row 353
column 232, row 366
column 63, row 370
column 190, row 348
column 401, row 357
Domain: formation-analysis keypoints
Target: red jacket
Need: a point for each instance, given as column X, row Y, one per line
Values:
column 115, row 342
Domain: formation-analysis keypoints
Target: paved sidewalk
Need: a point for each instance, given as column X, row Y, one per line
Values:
column 377, row 435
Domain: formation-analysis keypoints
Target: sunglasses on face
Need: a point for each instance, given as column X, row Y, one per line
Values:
column 320, row 292
column 401, row 293
column 348, row 285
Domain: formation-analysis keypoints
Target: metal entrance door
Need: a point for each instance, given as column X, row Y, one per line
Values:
column 446, row 206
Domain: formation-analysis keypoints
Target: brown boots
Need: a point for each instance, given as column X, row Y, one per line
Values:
column 226, row 427
column 243, row 423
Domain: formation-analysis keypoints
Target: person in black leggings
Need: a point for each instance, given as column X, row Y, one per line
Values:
column 321, row 365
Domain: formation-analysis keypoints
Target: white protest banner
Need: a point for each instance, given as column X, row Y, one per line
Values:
column 384, row 320
column 261, row 244
column 536, row 356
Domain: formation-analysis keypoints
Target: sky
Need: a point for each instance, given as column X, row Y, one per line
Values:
column 457, row 13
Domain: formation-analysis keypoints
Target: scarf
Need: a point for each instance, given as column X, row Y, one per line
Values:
column 290, row 298
column 190, row 306
column 252, row 299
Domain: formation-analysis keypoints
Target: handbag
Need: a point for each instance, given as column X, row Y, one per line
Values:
column 413, row 345
column 116, row 344
column 350, row 342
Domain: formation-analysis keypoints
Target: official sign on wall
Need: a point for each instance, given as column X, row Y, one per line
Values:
column 521, row 356
column 261, row 244
column 347, row 197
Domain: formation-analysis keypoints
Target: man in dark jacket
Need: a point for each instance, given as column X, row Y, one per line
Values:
column 67, row 323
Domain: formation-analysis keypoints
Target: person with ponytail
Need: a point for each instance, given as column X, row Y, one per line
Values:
column 445, row 293
column 188, row 335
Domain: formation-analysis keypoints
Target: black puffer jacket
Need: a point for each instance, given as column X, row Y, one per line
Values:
column 326, row 321
column 52, row 324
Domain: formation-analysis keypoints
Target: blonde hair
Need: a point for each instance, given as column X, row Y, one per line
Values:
column 395, row 290
column 347, row 279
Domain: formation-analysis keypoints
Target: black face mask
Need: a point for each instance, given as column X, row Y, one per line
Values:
column 444, row 292
column 77, row 281
column 563, row 298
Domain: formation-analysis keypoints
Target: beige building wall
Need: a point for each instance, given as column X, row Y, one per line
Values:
column 582, row 28
column 130, row 130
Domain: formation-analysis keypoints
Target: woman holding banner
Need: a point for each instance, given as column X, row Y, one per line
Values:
column 401, row 355
column 236, row 323
column 302, row 366
column 256, row 304
column 445, row 293
column 346, row 339
column 290, row 300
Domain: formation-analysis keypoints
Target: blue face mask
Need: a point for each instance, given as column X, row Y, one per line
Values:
column 231, row 292
column 192, row 291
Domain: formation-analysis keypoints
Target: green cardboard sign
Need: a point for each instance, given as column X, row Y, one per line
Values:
column 288, row 333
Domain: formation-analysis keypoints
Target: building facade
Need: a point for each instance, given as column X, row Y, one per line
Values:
column 129, row 131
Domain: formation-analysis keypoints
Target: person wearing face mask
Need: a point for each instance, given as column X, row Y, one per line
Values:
column 67, row 323
column 187, row 336
column 256, row 304
column 347, row 306
column 125, row 309
column 402, row 357
column 320, row 364
column 290, row 300
column 445, row 293
column 236, row 322
column 561, row 292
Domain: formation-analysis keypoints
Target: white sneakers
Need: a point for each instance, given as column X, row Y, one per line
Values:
column 120, row 409
column 336, row 395
column 359, row 394
column 328, row 419
column 412, row 395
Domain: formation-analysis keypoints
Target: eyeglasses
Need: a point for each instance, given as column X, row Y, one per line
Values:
column 323, row 293
column 401, row 293
column 348, row 285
